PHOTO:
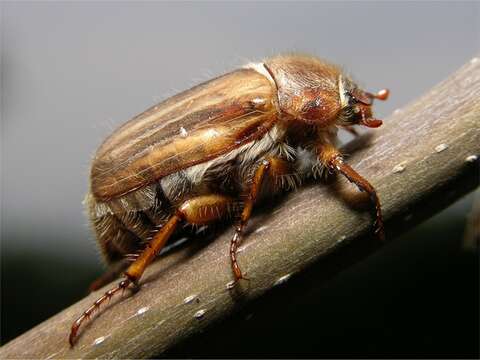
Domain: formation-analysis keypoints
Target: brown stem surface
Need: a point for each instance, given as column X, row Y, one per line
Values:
column 422, row 159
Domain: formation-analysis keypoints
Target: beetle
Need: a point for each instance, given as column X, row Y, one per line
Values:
column 211, row 152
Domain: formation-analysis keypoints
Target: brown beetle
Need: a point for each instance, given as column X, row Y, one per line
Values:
column 197, row 156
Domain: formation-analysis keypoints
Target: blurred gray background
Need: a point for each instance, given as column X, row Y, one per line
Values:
column 72, row 72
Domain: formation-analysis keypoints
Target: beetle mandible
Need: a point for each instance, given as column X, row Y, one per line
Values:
column 194, row 157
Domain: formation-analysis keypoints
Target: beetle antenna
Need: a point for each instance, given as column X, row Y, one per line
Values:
column 380, row 95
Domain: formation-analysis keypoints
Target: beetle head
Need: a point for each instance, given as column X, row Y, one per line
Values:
column 316, row 92
column 357, row 105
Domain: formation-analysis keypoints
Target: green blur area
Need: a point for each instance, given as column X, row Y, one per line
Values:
column 417, row 297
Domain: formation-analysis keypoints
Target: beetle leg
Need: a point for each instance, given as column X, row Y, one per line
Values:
column 273, row 167
column 251, row 196
column 132, row 274
column 205, row 209
column 351, row 130
column 332, row 158
column 198, row 210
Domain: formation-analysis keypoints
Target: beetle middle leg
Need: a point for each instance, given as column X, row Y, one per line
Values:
column 272, row 168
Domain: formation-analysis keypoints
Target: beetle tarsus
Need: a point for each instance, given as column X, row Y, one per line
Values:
column 122, row 285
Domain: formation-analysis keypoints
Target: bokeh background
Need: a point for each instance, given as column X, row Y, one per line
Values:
column 72, row 72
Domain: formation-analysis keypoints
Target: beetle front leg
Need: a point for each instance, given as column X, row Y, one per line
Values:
column 332, row 158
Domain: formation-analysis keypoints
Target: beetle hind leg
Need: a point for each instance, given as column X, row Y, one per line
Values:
column 132, row 274
column 198, row 210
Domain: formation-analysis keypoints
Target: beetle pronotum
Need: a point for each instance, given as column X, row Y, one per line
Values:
column 196, row 156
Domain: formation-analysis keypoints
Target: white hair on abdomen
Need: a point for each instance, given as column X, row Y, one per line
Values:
column 177, row 184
